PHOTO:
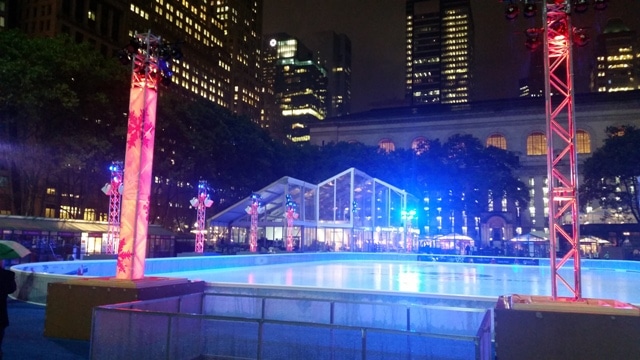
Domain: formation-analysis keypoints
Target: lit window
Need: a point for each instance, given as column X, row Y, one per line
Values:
column 583, row 142
column 497, row 140
column 90, row 214
column 537, row 144
column 50, row 213
column 386, row 145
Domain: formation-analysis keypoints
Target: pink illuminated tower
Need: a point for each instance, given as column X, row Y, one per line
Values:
column 290, row 215
column 113, row 189
column 150, row 58
column 254, row 210
column 201, row 203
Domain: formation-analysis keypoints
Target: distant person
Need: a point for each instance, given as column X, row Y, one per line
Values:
column 7, row 286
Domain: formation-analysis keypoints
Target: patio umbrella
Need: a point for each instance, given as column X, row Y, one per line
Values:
column 454, row 236
column 12, row 250
column 594, row 239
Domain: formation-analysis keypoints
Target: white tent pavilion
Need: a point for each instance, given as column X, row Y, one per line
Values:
column 455, row 242
column 532, row 244
column 590, row 245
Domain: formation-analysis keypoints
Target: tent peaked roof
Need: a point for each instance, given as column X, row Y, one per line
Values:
column 532, row 236
column 267, row 194
column 273, row 195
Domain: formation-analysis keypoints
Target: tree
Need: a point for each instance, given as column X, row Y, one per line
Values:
column 462, row 175
column 610, row 175
column 59, row 105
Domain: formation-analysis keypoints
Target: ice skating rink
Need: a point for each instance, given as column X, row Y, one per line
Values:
column 466, row 279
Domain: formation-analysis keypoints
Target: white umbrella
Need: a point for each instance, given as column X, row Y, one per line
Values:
column 454, row 236
column 594, row 239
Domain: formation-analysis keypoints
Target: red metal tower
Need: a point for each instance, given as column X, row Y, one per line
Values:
column 562, row 165
column 113, row 189
column 201, row 203
column 562, row 162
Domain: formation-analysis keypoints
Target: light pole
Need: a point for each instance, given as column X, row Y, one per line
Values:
column 201, row 203
column 113, row 189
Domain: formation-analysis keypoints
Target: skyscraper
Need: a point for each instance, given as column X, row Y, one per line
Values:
column 298, row 87
column 439, row 47
column 617, row 59
column 242, row 24
column 334, row 53
column 219, row 39
column 3, row 14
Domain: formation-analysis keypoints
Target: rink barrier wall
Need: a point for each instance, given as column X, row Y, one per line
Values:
column 200, row 326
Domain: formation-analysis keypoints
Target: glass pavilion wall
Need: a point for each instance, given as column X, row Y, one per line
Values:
column 350, row 211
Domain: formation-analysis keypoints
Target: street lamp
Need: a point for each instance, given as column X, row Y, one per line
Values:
column 113, row 189
column 201, row 203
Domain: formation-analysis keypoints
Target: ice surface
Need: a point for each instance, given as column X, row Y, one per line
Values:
column 428, row 278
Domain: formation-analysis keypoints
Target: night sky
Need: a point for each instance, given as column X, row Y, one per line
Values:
column 377, row 32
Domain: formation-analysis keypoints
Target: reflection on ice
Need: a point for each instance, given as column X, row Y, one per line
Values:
column 479, row 280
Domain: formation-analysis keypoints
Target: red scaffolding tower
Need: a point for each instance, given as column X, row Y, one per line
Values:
column 113, row 189
column 201, row 203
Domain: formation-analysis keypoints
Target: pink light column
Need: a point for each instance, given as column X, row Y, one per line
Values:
column 138, row 163
column 253, row 234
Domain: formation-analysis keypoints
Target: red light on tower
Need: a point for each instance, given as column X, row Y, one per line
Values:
column 511, row 11
column 534, row 40
column 530, row 9
column 580, row 6
column 600, row 4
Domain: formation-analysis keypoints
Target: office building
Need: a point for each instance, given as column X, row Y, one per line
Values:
column 439, row 51
column 242, row 24
column 334, row 54
column 298, row 84
column 409, row 127
column 219, row 39
column 617, row 59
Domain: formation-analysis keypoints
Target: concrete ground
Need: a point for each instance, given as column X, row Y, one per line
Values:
column 24, row 338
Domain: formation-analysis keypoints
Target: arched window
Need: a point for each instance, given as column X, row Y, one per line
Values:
column 537, row 144
column 420, row 145
column 583, row 142
column 497, row 140
column 386, row 145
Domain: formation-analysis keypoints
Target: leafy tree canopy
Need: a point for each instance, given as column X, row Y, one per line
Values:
column 611, row 173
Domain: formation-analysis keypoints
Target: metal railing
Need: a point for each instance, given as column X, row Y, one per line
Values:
column 201, row 326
